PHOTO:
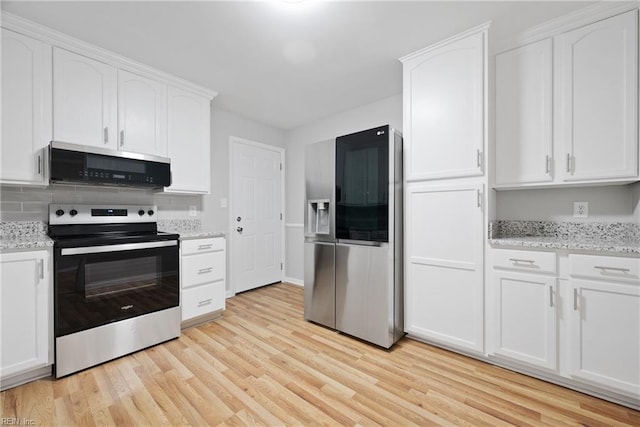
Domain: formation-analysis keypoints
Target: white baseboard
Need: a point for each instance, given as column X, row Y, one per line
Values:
column 293, row 281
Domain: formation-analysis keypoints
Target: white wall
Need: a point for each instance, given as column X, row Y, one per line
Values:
column 608, row 203
column 635, row 201
column 385, row 111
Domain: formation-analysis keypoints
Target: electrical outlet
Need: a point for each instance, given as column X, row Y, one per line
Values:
column 223, row 202
column 581, row 209
column 193, row 211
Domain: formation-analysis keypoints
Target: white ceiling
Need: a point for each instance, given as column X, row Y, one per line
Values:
column 282, row 64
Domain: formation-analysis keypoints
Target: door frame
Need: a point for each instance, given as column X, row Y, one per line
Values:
column 233, row 142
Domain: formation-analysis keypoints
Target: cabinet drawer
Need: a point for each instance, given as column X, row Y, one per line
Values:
column 202, row 300
column 202, row 268
column 604, row 267
column 529, row 261
column 197, row 246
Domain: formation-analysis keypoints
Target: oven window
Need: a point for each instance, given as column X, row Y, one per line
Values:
column 105, row 278
column 95, row 289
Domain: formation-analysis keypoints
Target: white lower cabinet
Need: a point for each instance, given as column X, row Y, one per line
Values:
column 26, row 316
column 445, row 264
column 202, row 279
column 573, row 317
column 605, row 322
column 524, row 325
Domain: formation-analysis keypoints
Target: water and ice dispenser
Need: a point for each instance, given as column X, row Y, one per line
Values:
column 319, row 219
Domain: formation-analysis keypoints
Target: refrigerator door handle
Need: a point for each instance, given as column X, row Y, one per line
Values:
column 362, row 243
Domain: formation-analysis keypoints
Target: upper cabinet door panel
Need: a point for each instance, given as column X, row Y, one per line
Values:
column 189, row 141
column 599, row 90
column 84, row 100
column 444, row 110
column 142, row 106
column 524, row 112
column 26, row 111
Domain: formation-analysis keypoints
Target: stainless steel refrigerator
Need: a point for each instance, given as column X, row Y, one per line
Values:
column 353, row 235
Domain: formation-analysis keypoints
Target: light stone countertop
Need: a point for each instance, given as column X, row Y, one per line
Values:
column 187, row 229
column 609, row 238
column 24, row 235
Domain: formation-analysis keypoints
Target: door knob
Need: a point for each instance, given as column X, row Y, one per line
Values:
column 239, row 229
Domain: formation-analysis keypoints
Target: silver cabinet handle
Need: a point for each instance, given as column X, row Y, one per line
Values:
column 205, row 270
column 569, row 168
column 479, row 158
column 550, row 296
column 122, row 138
column 519, row 260
column 547, row 164
column 106, row 135
column 479, row 198
column 41, row 269
column 620, row 269
column 575, row 298
column 205, row 302
column 39, row 165
column 203, row 247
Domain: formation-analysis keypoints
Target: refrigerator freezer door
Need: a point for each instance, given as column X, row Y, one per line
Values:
column 365, row 294
column 319, row 283
column 319, row 206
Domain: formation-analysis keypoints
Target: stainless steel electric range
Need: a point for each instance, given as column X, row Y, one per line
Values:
column 116, row 283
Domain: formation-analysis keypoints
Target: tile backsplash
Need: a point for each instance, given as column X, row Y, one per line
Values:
column 32, row 203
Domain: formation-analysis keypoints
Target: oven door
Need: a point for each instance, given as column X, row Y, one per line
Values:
column 96, row 285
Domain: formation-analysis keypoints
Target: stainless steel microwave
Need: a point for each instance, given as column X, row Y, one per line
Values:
column 78, row 164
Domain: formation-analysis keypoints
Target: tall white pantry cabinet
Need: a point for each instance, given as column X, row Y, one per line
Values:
column 445, row 128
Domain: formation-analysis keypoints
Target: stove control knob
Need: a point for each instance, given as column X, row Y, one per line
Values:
column 140, row 212
column 150, row 212
column 59, row 212
column 73, row 212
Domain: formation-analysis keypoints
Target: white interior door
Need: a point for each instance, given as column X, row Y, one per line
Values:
column 256, row 221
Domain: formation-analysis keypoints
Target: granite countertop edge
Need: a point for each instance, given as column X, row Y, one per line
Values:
column 198, row 234
column 539, row 242
column 25, row 242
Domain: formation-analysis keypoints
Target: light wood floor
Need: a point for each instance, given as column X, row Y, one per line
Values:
column 262, row 364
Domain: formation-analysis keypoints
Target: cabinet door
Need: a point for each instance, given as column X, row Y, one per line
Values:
column 524, row 318
column 84, row 100
column 605, row 329
column 142, row 114
column 189, row 141
column 524, row 114
column 26, row 112
column 444, row 110
column 599, row 91
column 444, row 264
column 26, row 318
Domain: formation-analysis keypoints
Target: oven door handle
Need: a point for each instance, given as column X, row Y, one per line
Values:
column 117, row 248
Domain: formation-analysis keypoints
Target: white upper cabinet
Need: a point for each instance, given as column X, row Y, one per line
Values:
column 142, row 114
column 84, row 100
column 523, row 114
column 189, row 141
column 26, row 111
column 598, row 94
column 444, row 105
